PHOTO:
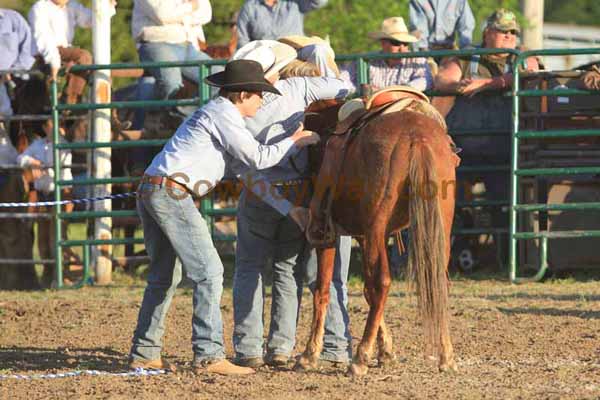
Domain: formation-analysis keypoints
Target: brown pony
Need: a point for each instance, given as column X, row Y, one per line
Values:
column 398, row 170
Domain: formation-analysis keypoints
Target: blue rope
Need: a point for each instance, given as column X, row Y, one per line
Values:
column 134, row 373
column 62, row 202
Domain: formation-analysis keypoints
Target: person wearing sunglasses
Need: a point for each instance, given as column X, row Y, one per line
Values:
column 393, row 38
column 474, row 74
column 481, row 79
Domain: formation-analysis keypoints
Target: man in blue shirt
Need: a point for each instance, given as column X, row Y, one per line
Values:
column 272, row 19
column 191, row 163
column 265, row 238
column 437, row 22
column 15, row 51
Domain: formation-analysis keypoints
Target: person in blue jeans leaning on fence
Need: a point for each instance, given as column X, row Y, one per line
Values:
column 266, row 239
column 190, row 164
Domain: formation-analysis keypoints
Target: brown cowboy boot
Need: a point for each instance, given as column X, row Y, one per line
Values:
column 135, row 363
column 221, row 367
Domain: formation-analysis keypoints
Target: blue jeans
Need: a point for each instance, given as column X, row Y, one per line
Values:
column 337, row 341
column 144, row 91
column 266, row 238
column 170, row 80
column 175, row 229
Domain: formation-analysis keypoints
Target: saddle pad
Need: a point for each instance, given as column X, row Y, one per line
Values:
column 418, row 106
column 394, row 93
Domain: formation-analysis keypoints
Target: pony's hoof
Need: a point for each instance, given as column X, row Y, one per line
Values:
column 449, row 366
column 305, row 364
column 386, row 359
column 358, row 369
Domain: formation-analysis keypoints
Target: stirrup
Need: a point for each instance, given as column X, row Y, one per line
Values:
column 319, row 238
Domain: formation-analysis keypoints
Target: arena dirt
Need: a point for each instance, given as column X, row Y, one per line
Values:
column 538, row 341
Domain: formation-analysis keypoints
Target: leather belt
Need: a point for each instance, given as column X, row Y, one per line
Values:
column 291, row 182
column 166, row 181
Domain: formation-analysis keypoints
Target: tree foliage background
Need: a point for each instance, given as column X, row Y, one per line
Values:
column 345, row 22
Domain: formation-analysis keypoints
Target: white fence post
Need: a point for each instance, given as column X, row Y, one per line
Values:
column 102, row 133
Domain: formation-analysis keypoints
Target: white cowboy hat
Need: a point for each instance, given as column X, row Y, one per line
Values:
column 394, row 28
column 271, row 54
column 298, row 42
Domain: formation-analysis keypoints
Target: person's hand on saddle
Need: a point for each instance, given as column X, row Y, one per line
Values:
column 303, row 138
column 300, row 217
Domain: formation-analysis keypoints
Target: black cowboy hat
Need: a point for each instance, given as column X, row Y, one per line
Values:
column 242, row 76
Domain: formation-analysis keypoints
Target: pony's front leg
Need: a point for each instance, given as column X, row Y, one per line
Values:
column 310, row 357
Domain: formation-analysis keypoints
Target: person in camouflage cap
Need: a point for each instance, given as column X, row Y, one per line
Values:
column 503, row 20
column 501, row 30
column 473, row 74
column 481, row 79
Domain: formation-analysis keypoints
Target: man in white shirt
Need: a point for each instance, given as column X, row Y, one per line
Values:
column 53, row 24
column 170, row 30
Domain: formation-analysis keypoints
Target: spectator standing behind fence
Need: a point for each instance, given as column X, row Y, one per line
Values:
column 470, row 76
column 437, row 23
column 170, row 30
column 394, row 38
column 38, row 157
column 15, row 51
column 53, row 24
column 272, row 19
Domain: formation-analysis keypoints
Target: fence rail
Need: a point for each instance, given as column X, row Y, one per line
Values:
column 517, row 171
column 362, row 60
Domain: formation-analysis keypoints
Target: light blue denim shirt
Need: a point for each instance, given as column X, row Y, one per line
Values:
column 211, row 140
column 279, row 117
column 258, row 21
column 15, row 41
column 439, row 20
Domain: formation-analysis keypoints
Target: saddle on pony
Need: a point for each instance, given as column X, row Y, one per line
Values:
column 388, row 100
column 352, row 117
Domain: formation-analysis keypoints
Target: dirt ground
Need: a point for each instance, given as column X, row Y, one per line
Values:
column 537, row 341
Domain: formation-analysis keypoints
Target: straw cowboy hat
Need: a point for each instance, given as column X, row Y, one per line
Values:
column 298, row 42
column 242, row 76
column 393, row 28
column 271, row 54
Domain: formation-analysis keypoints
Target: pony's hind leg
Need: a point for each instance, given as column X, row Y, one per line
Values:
column 446, row 353
column 385, row 345
column 310, row 357
column 377, row 284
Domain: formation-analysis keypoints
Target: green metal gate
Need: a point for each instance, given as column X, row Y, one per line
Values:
column 517, row 173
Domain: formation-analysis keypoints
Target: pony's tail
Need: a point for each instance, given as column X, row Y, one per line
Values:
column 427, row 259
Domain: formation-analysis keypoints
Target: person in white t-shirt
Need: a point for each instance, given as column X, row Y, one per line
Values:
column 170, row 30
column 39, row 158
column 53, row 24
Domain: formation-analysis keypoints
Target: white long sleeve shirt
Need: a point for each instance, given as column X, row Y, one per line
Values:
column 41, row 150
column 53, row 27
column 170, row 21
